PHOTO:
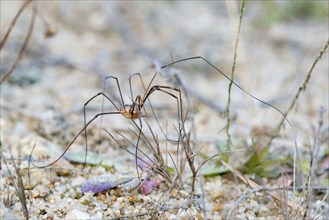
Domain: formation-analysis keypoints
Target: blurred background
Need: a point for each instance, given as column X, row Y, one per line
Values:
column 74, row 45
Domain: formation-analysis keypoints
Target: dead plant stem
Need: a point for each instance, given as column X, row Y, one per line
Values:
column 227, row 109
column 301, row 89
column 23, row 48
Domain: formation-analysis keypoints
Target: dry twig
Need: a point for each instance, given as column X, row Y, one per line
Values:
column 301, row 89
column 26, row 41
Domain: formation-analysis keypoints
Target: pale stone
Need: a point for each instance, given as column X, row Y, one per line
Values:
column 76, row 214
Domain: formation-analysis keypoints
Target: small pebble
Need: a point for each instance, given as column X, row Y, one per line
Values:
column 78, row 181
column 217, row 207
column 117, row 213
column 98, row 215
column 217, row 194
column 76, row 214
column 127, row 187
column 133, row 199
column 59, row 167
column 17, row 207
column 102, row 197
column 116, row 205
column 49, row 216
column 35, row 193
column 120, row 199
column 43, row 191
column 86, row 199
column 181, row 212
column 183, row 193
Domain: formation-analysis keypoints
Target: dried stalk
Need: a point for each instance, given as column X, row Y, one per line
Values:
column 19, row 188
column 227, row 109
column 301, row 89
column 26, row 41
column 12, row 25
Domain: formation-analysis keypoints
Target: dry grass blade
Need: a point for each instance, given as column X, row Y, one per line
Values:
column 300, row 90
column 19, row 188
column 26, row 41
column 245, row 196
column 311, row 178
column 255, row 185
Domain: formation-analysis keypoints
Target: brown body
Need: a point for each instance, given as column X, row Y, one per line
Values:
column 134, row 111
column 129, row 115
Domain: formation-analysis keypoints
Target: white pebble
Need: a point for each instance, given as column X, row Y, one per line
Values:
column 172, row 216
column 116, row 205
column 183, row 193
column 76, row 214
column 98, row 215
column 120, row 199
column 43, row 191
column 35, row 193
column 86, row 199
column 181, row 212
column 78, row 181
column 17, row 207
column 117, row 213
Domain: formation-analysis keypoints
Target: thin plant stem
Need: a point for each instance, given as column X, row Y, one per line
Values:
column 25, row 44
column 301, row 89
column 227, row 109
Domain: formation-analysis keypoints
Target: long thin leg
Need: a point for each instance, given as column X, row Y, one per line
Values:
column 228, row 78
column 119, row 88
column 179, row 112
column 115, row 106
column 145, row 141
column 139, row 135
column 155, row 151
column 179, row 107
column 145, row 89
column 161, row 167
column 158, row 154
column 82, row 130
column 130, row 84
column 149, row 85
column 126, row 148
column 158, row 169
column 101, row 124
column 67, row 148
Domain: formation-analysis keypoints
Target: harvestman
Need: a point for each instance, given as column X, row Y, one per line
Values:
column 133, row 112
column 135, row 109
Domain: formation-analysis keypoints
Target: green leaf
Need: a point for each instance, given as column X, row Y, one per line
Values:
column 213, row 170
column 305, row 165
column 252, row 163
column 261, row 164
column 92, row 159
column 171, row 169
column 263, row 154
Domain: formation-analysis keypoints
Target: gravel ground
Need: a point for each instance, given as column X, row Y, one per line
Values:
column 42, row 105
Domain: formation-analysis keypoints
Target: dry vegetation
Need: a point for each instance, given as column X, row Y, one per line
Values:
column 167, row 137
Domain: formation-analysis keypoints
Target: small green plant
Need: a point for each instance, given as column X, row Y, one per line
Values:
column 261, row 164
